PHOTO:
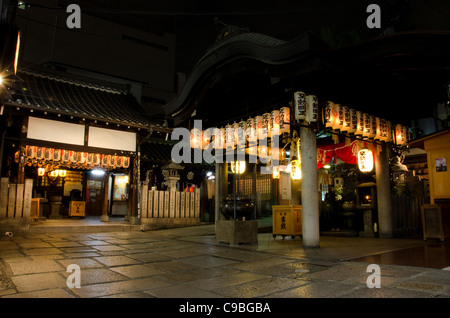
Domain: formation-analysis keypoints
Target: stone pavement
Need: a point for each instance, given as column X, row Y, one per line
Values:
column 188, row 263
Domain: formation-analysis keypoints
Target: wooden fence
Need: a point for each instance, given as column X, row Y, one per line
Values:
column 406, row 215
column 169, row 204
column 15, row 200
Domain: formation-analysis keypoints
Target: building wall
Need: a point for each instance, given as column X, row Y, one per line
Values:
column 438, row 148
column 100, row 46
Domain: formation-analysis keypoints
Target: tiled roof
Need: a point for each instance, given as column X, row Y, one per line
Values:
column 63, row 95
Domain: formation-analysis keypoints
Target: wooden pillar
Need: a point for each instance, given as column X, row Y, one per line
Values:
column 105, row 217
column 310, row 194
column 383, row 191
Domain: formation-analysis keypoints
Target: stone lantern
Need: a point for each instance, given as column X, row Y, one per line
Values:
column 171, row 175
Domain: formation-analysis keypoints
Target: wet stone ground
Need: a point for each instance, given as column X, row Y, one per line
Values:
column 176, row 264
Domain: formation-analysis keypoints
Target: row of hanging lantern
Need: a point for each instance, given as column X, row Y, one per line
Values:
column 250, row 133
column 346, row 119
column 35, row 154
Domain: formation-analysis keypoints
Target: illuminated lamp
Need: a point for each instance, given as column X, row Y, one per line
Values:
column 365, row 160
column 275, row 122
column 250, row 130
column 259, row 126
column 353, row 121
column 206, row 138
column 196, row 138
column 377, row 128
column 359, row 123
column 339, row 119
column 296, row 171
column 312, row 109
column 300, row 105
column 399, row 135
column 330, row 114
column 347, row 119
column 237, row 166
column 276, row 172
column 53, row 173
column 373, row 127
column 367, row 125
column 285, row 120
column 265, row 126
column 41, row 172
column 62, row 173
column 242, row 137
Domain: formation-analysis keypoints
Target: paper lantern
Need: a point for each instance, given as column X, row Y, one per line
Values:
column 81, row 157
column 330, row 114
column 359, row 123
column 353, row 121
column 312, row 108
column 30, row 151
column 373, row 127
column 237, row 167
column 285, row 120
column 219, row 138
column 389, row 137
column 119, row 161
column 263, row 151
column 72, row 156
column 125, row 162
column 367, row 125
column 296, row 170
column 229, row 137
column 265, row 126
column 259, row 124
column 275, row 123
column 365, row 160
column 196, row 138
column 250, row 130
column 347, row 119
column 41, row 172
column 383, row 130
column 276, row 172
column 242, row 136
column 90, row 159
column 56, row 154
column 339, row 119
column 206, row 138
column 64, row 155
column 398, row 134
column 300, row 105
column 40, row 152
column 48, row 153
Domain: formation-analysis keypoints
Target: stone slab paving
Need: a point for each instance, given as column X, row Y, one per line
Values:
column 187, row 263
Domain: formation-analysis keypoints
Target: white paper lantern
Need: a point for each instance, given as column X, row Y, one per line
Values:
column 312, row 108
column 300, row 105
column 275, row 123
column 237, row 167
column 377, row 128
column 353, row 121
column 360, row 123
column 339, row 120
column 367, row 125
column 330, row 114
column 259, row 126
column 296, row 170
column 373, row 128
column 196, row 138
column 265, row 126
column 365, row 160
column 347, row 119
column 251, row 130
column 285, row 120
